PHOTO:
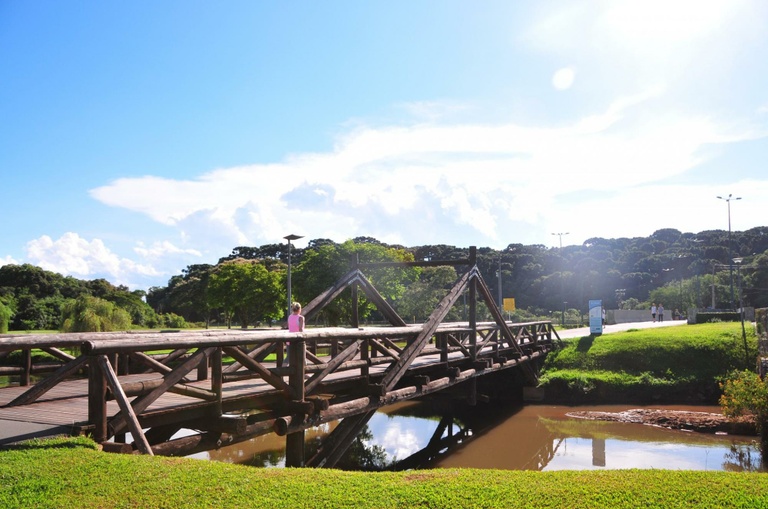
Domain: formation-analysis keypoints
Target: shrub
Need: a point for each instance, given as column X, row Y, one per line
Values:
column 745, row 393
column 5, row 318
column 717, row 316
column 92, row 314
column 174, row 321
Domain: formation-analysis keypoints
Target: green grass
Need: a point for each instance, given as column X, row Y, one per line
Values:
column 72, row 473
column 675, row 364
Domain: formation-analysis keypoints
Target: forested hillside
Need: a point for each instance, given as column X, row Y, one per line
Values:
column 683, row 270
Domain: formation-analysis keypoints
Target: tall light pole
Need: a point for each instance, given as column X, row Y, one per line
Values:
column 730, row 244
column 501, row 301
column 289, row 238
column 561, row 238
column 562, row 280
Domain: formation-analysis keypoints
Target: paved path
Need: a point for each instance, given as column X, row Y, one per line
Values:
column 619, row 327
column 15, row 431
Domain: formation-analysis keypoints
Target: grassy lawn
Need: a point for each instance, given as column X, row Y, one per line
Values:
column 72, row 473
column 671, row 364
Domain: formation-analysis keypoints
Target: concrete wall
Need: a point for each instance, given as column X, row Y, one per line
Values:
column 632, row 315
column 644, row 315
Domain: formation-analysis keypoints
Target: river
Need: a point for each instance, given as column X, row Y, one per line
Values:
column 532, row 437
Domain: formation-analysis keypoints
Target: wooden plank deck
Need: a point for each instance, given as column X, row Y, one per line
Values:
column 66, row 404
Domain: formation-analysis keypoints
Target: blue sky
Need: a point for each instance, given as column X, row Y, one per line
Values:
column 137, row 138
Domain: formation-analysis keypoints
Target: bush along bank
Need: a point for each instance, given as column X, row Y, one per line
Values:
column 673, row 365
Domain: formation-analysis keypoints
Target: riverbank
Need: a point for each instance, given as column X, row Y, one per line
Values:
column 701, row 422
column 683, row 365
column 73, row 473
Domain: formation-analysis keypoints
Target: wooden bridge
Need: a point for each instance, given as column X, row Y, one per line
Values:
column 231, row 385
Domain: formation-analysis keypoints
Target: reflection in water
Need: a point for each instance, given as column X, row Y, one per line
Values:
column 546, row 439
column 534, row 437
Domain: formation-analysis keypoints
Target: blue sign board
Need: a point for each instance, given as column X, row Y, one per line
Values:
column 596, row 317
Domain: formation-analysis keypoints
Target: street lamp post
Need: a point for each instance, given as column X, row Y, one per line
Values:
column 730, row 244
column 289, row 238
column 562, row 281
column 561, row 238
column 501, row 300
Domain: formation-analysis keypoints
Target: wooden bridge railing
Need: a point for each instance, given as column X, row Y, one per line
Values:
column 336, row 372
column 26, row 345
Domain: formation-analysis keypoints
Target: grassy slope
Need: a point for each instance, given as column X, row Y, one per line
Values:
column 71, row 473
column 671, row 364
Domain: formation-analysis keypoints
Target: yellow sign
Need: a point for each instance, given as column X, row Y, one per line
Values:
column 509, row 304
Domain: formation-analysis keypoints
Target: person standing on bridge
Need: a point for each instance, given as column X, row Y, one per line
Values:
column 661, row 312
column 295, row 321
column 295, row 324
column 653, row 311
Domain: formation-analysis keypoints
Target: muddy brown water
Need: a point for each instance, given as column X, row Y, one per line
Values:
column 532, row 437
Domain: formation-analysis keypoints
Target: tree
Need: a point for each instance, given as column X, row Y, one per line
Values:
column 5, row 317
column 421, row 297
column 323, row 266
column 245, row 289
column 756, row 282
column 92, row 314
column 141, row 313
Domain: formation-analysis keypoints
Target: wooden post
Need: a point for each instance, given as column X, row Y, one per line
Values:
column 294, row 442
column 123, row 366
column 355, row 311
column 216, row 379
column 125, row 406
column 97, row 400
column 473, row 303
column 441, row 341
column 365, row 352
column 202, row 369
column 26, row 373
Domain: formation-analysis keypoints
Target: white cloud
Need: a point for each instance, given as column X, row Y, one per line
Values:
column 162, row 249
column 563, row 78
column 399, row 442
column 414, row 184
column 73, row 255
column 8, row 260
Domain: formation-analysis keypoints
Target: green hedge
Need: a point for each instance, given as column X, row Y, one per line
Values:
column 717, row 316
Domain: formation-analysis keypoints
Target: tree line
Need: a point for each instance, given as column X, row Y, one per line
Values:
column 248, row 287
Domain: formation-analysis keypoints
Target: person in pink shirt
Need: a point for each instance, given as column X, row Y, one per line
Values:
column 295, row 324
column 295, row 320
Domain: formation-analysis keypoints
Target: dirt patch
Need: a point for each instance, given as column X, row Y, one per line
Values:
column 702, row 422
